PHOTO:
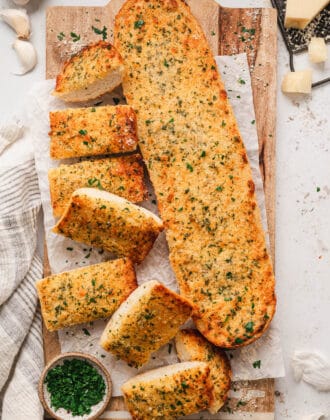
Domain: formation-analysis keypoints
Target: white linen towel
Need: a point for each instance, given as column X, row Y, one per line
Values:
column 21, row 350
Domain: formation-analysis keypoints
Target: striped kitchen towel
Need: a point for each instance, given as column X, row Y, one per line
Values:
column 21, row 351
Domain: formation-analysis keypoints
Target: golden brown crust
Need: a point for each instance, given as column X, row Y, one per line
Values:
column 92, row 131
column 85, row 294
column 191, row 345
column 109, row 222
column 198, row 165
column 92, row 63
column 145, row 322
column 119, row 175
column 167, row 394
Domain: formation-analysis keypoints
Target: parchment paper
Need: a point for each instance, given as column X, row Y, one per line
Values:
column 65, row 254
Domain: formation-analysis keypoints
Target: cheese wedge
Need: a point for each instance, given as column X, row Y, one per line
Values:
column 317, row 50
column 299, row 13
column 297, row 82
column 85, row 294
column 107, row 221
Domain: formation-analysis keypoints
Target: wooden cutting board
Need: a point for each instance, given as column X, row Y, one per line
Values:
column 229, row 31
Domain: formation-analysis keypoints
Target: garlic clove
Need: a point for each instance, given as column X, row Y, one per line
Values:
column 18, row 19
column 10, row 132
column 26, row 54
column 21, row 2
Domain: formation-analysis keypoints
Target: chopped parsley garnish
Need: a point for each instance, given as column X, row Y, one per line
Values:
column 95, row 182
column 241, row 81
column 74, row 37
column 318, row 189
column 86, row 332
column 75, row 386
column 61, row 36
column 102, row 32
column 203, row 154
column 251, row 31
column 116, row 101
column 166, row 63
column 139, row 23
column 189, row 167
column 83, row 132
column 257, row 364
column 249, row 327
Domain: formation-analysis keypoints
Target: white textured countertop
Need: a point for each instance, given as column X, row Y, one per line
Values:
column 303, row 212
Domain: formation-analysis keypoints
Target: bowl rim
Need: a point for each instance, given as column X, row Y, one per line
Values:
column 70, row 355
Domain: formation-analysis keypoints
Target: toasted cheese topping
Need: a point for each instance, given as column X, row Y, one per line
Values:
column 169, row 392
column 85, row 294
column 119, row 175
column 198, row 165
column 110, row 222
column 191, row 345
column 92, row 131
column 145, row 322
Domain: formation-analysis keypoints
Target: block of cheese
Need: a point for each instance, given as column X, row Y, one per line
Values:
column 92, row 131
column 107, row 221
column 317, row 50
column 299, row 13
column 118, row 175
column 169, row 392
column 297, row 82
column 85, row 294
column 147, row 320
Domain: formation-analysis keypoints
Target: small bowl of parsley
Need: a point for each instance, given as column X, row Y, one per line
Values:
column 75, row 386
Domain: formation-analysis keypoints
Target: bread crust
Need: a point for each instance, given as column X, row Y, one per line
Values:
column 119, row 175
column 85, row 294
column 92, row 131
column 169, row 392
column 91, row 64
column 190, row 346
column 107, row 221
column 145, row 322
column 198, row 165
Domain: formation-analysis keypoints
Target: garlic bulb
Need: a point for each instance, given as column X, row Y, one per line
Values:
column 26, row 54
column 21, row 2
column 18, row 20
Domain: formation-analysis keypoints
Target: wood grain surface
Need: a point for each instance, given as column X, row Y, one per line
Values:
column 229, row 31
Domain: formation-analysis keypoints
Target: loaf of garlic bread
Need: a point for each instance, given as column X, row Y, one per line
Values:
column 169, row 392
column 85, row 294
column 147, row 320
column 107, row 221
column 199, row 168
column 93, row 71
column 92, row 131
column 119, row 175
